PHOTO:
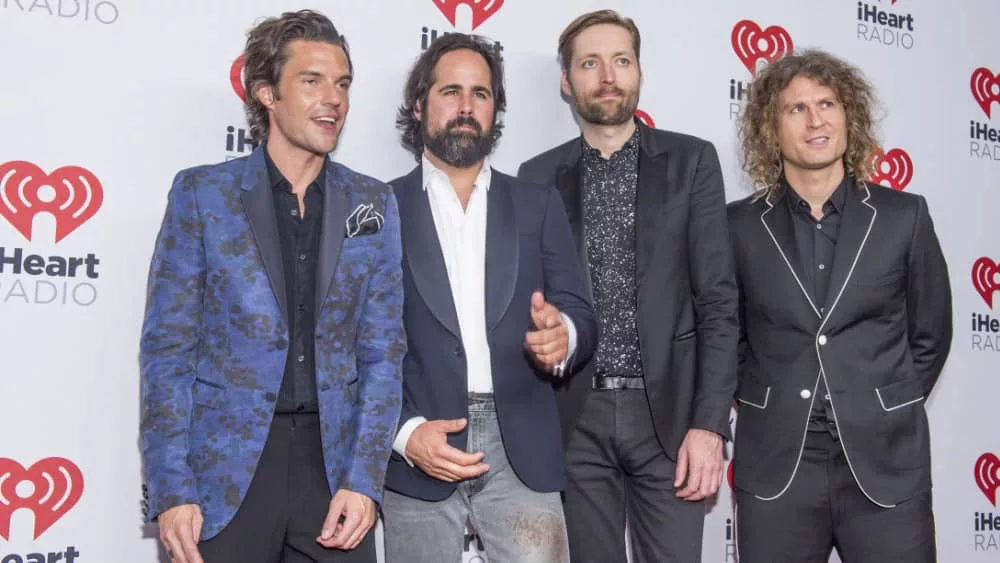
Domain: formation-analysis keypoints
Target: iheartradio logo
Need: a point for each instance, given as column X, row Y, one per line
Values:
column 645, row 118
column 893, row 168
column 236, row 77
column 985, row 89
column 988, row 476
column 755, row 46
column 986, row 278
column 482, row 10
column 49, row 489
column 71, row 194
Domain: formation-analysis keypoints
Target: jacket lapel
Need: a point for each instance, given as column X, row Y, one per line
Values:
column 423, row 251
column 258, row 204
column 777, row 221
column 855, row 226
column 336, row 208
column 568, row 183
column 651, row 197
column 501, row 250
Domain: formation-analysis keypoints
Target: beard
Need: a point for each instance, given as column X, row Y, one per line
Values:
column 460, row 149
column 598, row 113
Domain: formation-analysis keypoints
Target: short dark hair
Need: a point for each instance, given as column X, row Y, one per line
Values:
column 422, row 77
column 590, row 19
column 266, row 53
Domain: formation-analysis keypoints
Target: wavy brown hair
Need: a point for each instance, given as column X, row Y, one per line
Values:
column 266, row 53
column 758, row 123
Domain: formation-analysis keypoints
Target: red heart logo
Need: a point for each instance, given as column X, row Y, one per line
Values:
column 236, row 77
column 988, row 475
column 893, row 168
column 729, row 475
column 753, row 45
column 985, row 88
column 645, row 118
column 482, row 10
column 54, row 486
column 75, row 196
column 986, row 278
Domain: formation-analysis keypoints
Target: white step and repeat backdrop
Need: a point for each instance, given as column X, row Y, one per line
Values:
column 103, row 100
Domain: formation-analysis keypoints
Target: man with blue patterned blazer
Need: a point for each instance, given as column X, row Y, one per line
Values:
column 272, row 344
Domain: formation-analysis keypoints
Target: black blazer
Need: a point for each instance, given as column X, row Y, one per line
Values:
column 687, row 297
column 879, row 347
column 528, row 247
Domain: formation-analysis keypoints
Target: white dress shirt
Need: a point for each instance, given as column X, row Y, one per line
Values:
column 462, row 236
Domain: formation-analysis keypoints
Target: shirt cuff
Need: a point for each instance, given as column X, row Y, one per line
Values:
column 403, row 436
column 571, row 349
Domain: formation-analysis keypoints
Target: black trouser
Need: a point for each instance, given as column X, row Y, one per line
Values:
column 823, row 508
column 286, row 504
column 617, row 471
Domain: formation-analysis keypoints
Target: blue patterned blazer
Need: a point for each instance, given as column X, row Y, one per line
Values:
column 214, row 337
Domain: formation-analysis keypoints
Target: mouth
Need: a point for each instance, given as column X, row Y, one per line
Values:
column 328, row 123
column 821, row 141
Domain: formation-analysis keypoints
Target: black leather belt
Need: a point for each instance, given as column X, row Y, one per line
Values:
column 608, row 382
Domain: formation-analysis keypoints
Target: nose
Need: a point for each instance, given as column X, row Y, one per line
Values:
column 333, row 95
column 607, row 74
column 815, row 117
column 465, row 103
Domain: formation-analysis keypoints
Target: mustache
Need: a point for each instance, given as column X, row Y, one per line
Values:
column 610, row 90
column 465, row 120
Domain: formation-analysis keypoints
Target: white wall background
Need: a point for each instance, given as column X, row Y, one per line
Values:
column 133, row 90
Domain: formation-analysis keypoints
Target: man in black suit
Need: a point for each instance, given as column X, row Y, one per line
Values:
column 646, row 421
column 495, row 309
column 846, row 323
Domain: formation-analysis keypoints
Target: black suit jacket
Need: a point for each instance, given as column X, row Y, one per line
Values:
column 528, row 247
column 879, row 346
column 687, row 297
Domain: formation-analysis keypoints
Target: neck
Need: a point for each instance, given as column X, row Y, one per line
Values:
column 462, row 179
column 607, row 138
column 298, row 166
column 815, row 186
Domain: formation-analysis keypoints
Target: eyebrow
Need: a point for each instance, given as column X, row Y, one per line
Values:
column 618, row 54
column 476, row 88
column 346, row 76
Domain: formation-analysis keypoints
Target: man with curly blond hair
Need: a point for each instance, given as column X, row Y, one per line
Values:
column 845, row 310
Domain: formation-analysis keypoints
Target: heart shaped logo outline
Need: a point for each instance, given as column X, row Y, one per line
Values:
column 78, row 196
column 986, row 278
column 987, row 472
column 482, row 10
column 982, row 83
column 746, row 39
column 900, row 168
column 645, row 118
column 236, row 77
column 57, row 485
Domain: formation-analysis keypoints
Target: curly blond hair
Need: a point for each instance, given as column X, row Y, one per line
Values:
column 758, row 123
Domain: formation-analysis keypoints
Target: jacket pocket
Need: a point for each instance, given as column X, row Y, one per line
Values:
column 753, row 394
column 899, row 394
column 207, row 394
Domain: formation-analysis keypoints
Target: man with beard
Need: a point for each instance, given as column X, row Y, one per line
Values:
column 495, row 309
column 646, row 420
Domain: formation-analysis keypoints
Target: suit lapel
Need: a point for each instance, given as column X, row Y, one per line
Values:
column 650, row 198
column 423, row 251
column 336, row 208
column 501, row 250
column 568, row 184
column 856, row 224
column 777, row 221
column 258, row 204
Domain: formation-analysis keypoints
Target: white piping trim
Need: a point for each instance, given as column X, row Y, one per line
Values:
column 890, row 409
column 736, row 519
column 767, row 396
column 822, row 370
column 785, row 258
column 802, row 445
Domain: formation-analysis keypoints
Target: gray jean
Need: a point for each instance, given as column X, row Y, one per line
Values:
column 514, row 523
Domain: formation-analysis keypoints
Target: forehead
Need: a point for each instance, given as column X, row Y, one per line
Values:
column 315, row 54
column 462, row 66
column 803, row 88
column 605, row 38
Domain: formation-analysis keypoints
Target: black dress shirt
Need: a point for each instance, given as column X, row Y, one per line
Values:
column 300, row 238
column 817, row 241
column 609, row 207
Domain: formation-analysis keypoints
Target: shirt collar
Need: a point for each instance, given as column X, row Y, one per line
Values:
column 630, row 145
column 837, row 198
column 278, row 180
column 430, row 171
